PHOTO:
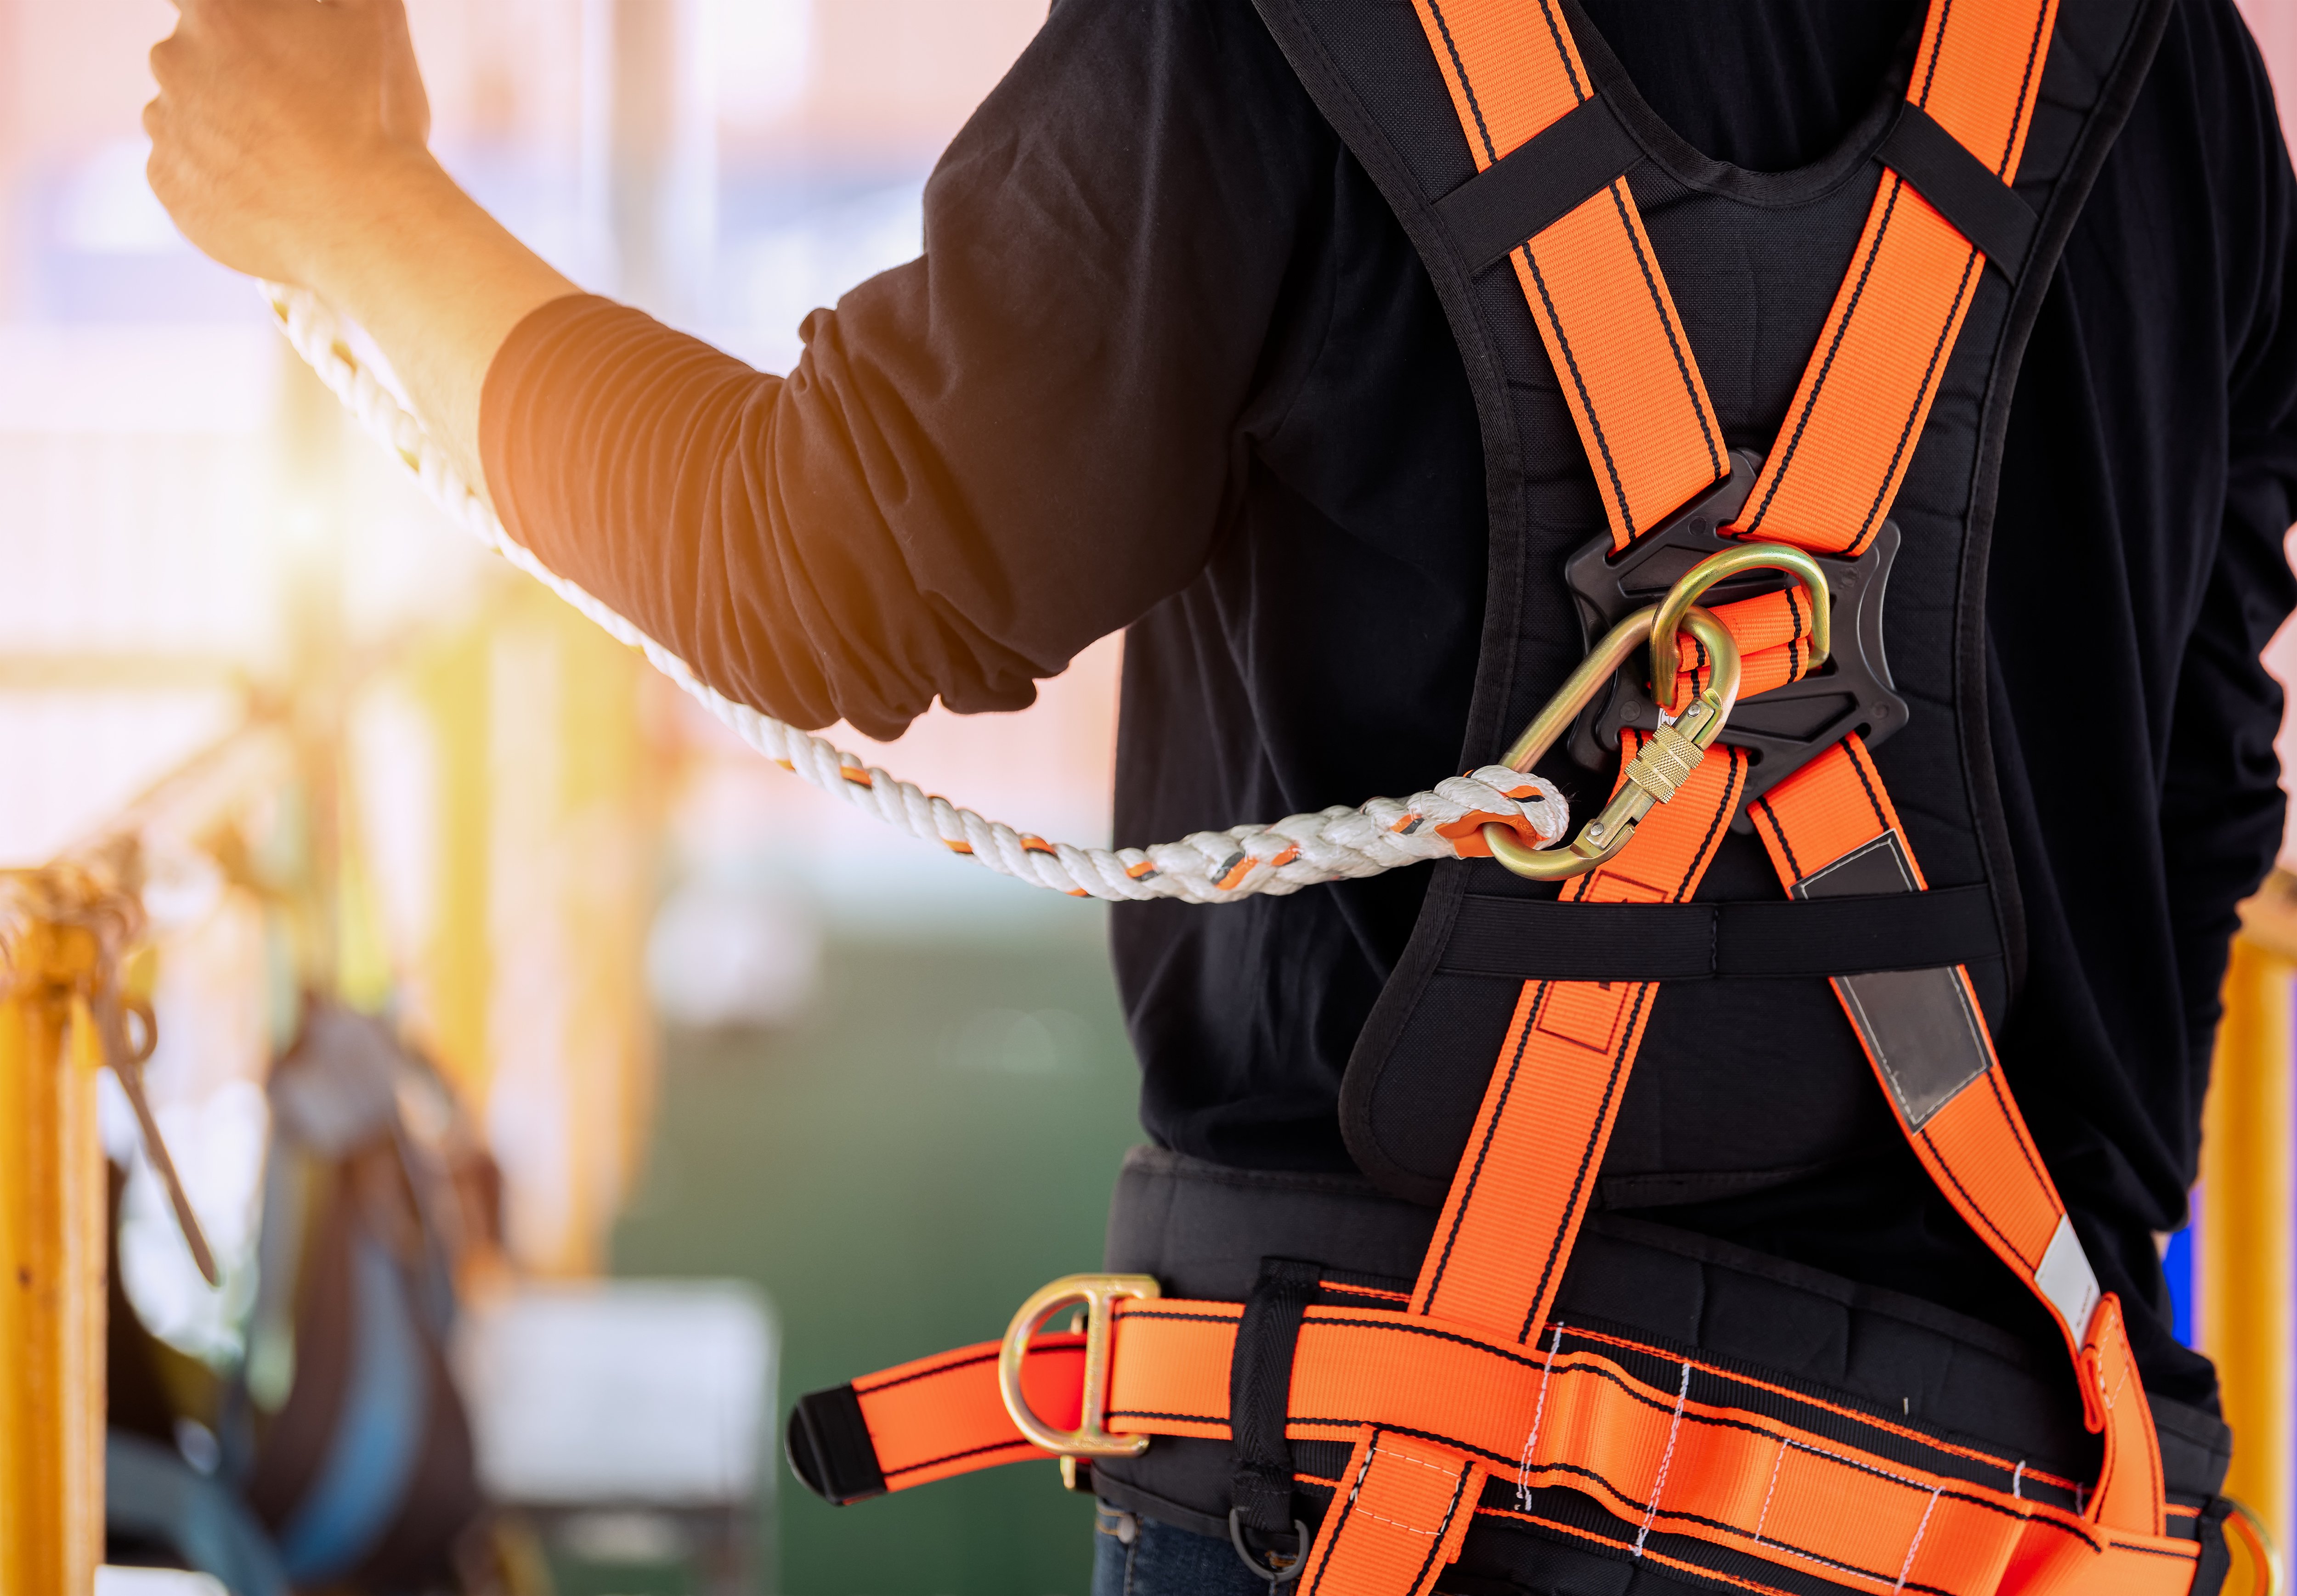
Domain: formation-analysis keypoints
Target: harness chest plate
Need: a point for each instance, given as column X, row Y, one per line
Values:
column 1786, row 727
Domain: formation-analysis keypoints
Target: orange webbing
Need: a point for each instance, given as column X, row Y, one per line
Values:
column 1517, row 1199
column 1397, row 1518
column 1672, row 1460
column 942, row 1416
column 1773, row 632
column 1591, row 278
column 1976, row 1147
column 1829, row 481
column 1444, row 1401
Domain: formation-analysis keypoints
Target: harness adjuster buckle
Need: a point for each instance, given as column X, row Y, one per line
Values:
column 1097, row 1295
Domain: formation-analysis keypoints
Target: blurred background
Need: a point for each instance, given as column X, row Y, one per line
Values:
column 562, row 1088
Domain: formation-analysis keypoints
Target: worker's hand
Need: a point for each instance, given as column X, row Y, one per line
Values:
column 282, row 125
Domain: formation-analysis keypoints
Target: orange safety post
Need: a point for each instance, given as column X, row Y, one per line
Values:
column 2247, row 1242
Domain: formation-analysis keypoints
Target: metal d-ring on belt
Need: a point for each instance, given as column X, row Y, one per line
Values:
column 1665, row 763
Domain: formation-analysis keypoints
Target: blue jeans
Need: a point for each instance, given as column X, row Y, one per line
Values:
column 1132, row 1556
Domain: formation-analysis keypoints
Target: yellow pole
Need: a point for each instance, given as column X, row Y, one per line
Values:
column 2249, row 1211
column 51, row 1267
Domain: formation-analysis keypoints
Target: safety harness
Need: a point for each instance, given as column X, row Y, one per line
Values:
column 1463, row 1396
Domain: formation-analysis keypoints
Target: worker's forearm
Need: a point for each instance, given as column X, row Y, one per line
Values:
column 439, row 284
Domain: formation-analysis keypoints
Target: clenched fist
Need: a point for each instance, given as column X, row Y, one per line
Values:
column 280, row 123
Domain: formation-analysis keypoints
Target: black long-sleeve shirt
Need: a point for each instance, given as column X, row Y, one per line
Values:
column 1169, row 365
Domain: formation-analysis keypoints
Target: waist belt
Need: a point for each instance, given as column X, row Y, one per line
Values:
column 1464, row 1396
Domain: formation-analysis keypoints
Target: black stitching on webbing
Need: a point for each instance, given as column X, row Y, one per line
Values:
column 1562, row 51
column 2182, row 1556
column 1780, row 832
column 1184, row 1317
column 1922, row 403
column 1586, row 402
column 1794, row 637
column 1459, row 1489
column 1466, row 88
column 1347, row 1506
column 1874, row 799
column 969, row 1452
column 1731, row 785
column 1666, row 322
column 1683, row 1557
column 2018, row 112
column 1586, row 1160
column 2011, row 1120
column 1817, row 1557
column 1476, row 1171
column 1818, row 383
column 1984, row 1218
column 926, row 1373
column 1946, row 14
column 1629, row 1389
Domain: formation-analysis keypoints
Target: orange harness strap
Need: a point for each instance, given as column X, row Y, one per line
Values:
column 1625, row 364
column 1681, row 1448
column 1831, row 829
column 1868, row 390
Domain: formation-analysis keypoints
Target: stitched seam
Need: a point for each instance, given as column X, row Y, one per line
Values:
column 1849, row 1415
column 1763, row 1517
column 1538, row 1416
column 1332, row 1540
column 1474, row 106
column 1587, row 402
column 1562, row 51
column 970, row 1451
column 1833, row 347
column 1657, row 1556
column 1929, row 72
column 1435, row 1547
column 1874, row 799
column 1921, row 408
column 1586, row 1160
column 1909, row 1566
column 2016, row 1130
column 1778, row 832
column 1490, row 1134
column 1733, row 782
column 2025, row 104
column 1618, row 189
column 1665, row 1461
column 1984, row 1218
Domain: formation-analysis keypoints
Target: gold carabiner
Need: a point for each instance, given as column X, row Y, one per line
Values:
column 1674, row 750
column 1652, row 776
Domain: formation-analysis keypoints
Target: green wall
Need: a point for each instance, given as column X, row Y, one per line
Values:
column 935, row 1139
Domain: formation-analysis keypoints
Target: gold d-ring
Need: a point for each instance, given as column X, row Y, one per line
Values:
column 2267, row 1577
column 1097, row 1296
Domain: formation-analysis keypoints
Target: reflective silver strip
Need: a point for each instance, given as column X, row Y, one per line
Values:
column 2065, row 1277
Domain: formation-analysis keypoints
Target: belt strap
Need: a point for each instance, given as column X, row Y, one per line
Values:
column 1444, row 1422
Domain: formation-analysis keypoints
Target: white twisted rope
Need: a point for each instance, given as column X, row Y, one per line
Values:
column 1207, row 866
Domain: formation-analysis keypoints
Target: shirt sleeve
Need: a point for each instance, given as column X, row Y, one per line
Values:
column 985, row 459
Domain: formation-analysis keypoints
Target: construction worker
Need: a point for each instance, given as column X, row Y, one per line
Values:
column 1215, row 341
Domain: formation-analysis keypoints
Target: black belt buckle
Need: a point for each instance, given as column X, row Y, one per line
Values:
column 1782, row 729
